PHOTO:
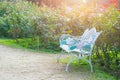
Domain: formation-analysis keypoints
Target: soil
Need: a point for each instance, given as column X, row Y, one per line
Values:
column 17, row 64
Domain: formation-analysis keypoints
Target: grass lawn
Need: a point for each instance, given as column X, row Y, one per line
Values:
column 98, row 74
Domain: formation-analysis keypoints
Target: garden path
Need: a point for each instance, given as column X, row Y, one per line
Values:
column 17, row 64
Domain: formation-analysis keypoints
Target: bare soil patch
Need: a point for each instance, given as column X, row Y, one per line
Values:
column 17, row 64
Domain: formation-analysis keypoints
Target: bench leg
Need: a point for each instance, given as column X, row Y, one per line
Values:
column 67, row 66
column 91, row 67
column 90, row 62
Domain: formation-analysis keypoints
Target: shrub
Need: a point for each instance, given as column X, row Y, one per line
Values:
column 26, row 20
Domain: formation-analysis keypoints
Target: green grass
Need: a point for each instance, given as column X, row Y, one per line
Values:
column 9, row 42
column 12, row 43
column 83, row 67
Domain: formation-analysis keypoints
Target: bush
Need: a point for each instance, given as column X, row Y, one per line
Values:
column 26, row 20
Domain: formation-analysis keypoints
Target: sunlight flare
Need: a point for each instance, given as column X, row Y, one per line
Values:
column 85, row 1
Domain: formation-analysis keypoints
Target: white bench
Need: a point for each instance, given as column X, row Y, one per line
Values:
column 83, row 45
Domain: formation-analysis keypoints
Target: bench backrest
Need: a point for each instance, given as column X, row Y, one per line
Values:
column 88, row 43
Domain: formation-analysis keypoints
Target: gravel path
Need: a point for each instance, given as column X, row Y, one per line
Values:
column 17, row 64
